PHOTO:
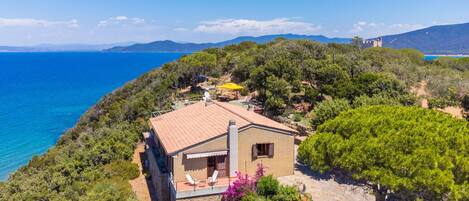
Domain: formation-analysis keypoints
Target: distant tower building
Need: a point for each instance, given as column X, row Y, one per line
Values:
column 378, row 42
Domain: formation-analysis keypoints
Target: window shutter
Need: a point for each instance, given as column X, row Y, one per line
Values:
column 271, row 150
column 254, row 151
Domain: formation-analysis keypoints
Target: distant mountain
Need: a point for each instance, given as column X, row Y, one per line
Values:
column 171, row 46
column 443, row 39
column 162, row 46
column 61, row 47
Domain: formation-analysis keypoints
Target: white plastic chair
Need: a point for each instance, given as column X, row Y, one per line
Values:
column 190, row 180
column 212, row 180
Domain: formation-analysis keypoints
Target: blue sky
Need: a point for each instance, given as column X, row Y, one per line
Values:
column 29, row 22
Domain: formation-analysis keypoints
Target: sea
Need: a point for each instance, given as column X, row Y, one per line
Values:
column 433, row 57
column 44, row 94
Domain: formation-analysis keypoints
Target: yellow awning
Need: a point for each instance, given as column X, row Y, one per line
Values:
column 230, row 86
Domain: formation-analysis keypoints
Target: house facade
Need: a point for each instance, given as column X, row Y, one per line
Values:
column 190, row 144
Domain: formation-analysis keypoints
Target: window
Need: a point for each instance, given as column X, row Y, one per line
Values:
column 263, row 150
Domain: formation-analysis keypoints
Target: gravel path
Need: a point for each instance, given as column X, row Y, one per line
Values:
column 323, row 187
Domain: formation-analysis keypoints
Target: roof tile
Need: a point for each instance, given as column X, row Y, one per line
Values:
column 198, row 122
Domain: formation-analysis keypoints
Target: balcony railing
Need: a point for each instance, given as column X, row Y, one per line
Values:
column 186, row 190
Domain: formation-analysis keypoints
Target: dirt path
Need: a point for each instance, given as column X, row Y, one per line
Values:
column 421, row 91
column 455, row 111
column 139, row 185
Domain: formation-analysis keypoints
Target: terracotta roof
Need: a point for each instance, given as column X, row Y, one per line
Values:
column 197, row 123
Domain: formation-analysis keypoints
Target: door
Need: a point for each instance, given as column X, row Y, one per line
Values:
column 216, row 163
column 211, row 165
column 221, row 166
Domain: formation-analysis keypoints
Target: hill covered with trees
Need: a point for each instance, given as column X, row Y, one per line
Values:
column 91, row 160
column 171, row 46
column 442, row 39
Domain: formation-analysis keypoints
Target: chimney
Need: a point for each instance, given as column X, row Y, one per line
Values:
column 207, row 99
column 233, row 147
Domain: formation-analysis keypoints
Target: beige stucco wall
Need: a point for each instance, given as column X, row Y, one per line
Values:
column 280, row 165
column 197, row 168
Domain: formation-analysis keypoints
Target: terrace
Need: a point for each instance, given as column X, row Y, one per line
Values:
column 185, row 190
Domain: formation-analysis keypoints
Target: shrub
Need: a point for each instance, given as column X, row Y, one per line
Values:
column 297, row 117
column 465, row 103
column 267, row 186
column 311, row 94
column 439, row 103
column 242, row 186
column 244, row 91
column 407, row 99
column 287, row 193
column 123, row 169
column 328, row 110
column 251, row 196
column 274, row 105
column 108, row 190
column 375, row 100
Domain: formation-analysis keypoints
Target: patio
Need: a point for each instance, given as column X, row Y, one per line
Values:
column 203, row 184
column 184, row 189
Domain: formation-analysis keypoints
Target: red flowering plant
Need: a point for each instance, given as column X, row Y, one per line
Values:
column 243, row 185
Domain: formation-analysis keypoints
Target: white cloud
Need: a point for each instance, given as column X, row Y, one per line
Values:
column 29, row 22
column 373, row 29
column 256, row 27
column 121, row 20
column 181, row 29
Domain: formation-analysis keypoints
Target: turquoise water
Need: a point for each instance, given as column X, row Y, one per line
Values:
column 44, row 94
column 433, row 57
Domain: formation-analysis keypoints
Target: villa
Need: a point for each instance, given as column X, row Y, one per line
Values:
column 196, row 151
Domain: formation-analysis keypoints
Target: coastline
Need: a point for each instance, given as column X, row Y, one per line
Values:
column 75, row 90
column 447, row 55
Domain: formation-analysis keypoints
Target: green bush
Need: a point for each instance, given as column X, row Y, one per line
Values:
column 297, row 117
column 407, row 99
column 122, row 169
column 287, row 193
column 311, row 95
column 328, row 110
column 439, row 103
column 274, row 105
column 110, row 190
column 251, row 197
column 267, row 186
column 365, row 100
column 465, row 103
column 244, row 91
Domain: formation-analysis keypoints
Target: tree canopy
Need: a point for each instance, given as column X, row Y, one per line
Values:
column 414, row 153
